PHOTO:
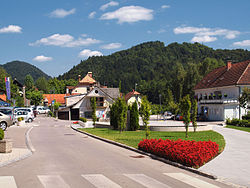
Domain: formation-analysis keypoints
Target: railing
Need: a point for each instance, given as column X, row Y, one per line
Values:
column 219, row 101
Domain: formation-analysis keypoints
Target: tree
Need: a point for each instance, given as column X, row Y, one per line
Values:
column 134, row 117
column 42, row 84
column 244, row 99
column 185, row 110
column 145, row 114
column 122, row 114
column 29, row 82
column 194, row 114
column 34, row 96
column 113, row 116
column 93, row 105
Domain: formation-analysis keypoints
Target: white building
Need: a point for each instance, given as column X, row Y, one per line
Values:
column 218, row 92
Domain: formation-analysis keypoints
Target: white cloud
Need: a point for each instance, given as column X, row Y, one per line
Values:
column 204, row 38
column 110, row 4
column 88, row 53
column 42, row 58
column 92, row 15
column 165, row 6
column 111, row 46
column 204, row 34
column 65, row 41
column 11, row 29
column 129, row 14
column 242, row 43
column 61, row 13
column 161, row 31
column 149, row 32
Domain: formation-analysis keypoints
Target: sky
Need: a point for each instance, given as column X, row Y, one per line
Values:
column 55, row 35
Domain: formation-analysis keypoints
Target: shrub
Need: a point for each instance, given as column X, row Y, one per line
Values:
column 246, row 117
column 134, row 117
column 186, row 152
column 50, row 114
column 20, row 119
column 83, row 119
column 235, row 122
column 1, row 134
column 228, row 121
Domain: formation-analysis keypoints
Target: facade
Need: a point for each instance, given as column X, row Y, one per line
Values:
column 78, row 99
column 132, row 97
column 218, row 92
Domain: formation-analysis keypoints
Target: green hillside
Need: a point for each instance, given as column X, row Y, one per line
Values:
column 19, row 69
column 156, row 68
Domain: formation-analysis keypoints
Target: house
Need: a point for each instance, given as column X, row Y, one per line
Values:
column 132, row 97
column 218, row 92
column 48, row 98
column 78, row 99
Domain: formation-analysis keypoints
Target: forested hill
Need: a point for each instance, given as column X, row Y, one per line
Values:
column 19, row 69
column 156, row 67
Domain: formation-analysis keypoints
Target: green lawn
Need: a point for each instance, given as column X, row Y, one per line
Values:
column 247, row 129
column 132, row 138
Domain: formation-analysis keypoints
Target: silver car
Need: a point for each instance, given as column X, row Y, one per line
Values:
column 5, row 121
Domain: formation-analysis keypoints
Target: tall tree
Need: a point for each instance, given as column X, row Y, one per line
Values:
column 244, row 99
column 185, row 110
column 93, row 105
column 122, row 114
column 34, row 96
column 42, row 84
column 145, row 114
column 134, row 117
column 194, row 114
column 29, row 82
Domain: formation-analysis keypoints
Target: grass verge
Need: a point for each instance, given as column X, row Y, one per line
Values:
column 247, row 129
column 132, row 138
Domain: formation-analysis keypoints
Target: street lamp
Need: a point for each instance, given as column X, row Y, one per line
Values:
column 135, row 86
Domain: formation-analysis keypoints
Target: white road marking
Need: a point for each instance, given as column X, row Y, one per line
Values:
column 99, row 180
column 146, row 181
column 195, row 182
column 52, row 181
column 7, row 181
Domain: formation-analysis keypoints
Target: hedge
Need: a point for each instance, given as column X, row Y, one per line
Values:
column 238, row 122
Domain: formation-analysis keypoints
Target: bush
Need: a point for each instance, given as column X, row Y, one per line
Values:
column 246, row 117
column 1, row 134
column 186, row 152
column 238, row 122
column 228, row 121
column 20, row 119
column 235, row 122
column 134, row 117
column 50, row 114
column 83, row 119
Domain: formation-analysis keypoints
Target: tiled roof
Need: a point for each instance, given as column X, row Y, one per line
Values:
column 87, row 80
column 114, row 93
column 130, row 94
column 3, row 97
column 238, row 74
column 70, row 87
column 58, row 97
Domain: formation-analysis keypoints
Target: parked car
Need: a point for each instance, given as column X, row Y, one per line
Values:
column 168, row 115
column 177, row 117
column 5, row 121
column 8, row 111
column 42, row 110
column 30, row 112
column 26, row 116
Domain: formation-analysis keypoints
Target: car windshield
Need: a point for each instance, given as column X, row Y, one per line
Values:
column 5, row 111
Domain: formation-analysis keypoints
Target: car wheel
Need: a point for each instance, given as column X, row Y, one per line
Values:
column 3, row 125
column 30, row 120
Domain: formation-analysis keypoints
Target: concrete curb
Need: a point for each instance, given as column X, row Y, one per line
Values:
column 28, row 141
column 150, row 155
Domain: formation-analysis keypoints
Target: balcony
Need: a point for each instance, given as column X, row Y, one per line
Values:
column 219, row 101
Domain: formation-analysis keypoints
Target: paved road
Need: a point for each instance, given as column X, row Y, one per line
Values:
column 64, row 158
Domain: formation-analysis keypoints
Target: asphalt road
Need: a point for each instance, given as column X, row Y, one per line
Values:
column 64, row 158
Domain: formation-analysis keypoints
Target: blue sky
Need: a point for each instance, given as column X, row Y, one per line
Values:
column 55, row 35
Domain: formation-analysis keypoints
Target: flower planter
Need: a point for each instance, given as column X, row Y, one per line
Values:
column 21, row 123
column 5, row 146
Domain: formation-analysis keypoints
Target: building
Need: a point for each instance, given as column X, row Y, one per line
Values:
column 218, row 92
column 78, row 99
column 132, row 97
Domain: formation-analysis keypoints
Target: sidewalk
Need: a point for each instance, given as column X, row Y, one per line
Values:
column 232, row 165
column 19, row 148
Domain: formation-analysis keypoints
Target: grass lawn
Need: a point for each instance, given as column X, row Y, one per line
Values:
column 247, row 129
column 132, row 138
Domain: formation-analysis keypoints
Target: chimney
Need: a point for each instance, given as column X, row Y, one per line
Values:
column 90, row 74
column 229, row 65
column 79, row 78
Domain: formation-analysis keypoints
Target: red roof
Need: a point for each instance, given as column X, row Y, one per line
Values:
column 130, row 94
column 236, row 74
column 3, row 97
column 58, row 97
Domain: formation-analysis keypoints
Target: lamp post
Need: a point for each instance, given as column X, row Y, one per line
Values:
column 160, row 103
column 135, row 86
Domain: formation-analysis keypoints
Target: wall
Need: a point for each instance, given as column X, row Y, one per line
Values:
column 80, row 89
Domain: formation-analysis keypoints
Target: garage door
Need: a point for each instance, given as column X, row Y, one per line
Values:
column 63, row 115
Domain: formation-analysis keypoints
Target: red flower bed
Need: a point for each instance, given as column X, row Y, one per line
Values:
column 186, row 152
column 75, row 122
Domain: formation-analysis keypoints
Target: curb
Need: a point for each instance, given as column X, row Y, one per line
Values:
column 150, row 155
column 28, row 154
